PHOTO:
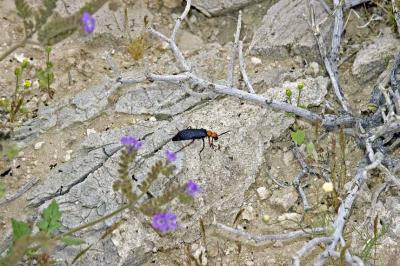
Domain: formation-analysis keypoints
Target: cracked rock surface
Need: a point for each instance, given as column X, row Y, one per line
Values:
column 280, row 37
column 87, row 178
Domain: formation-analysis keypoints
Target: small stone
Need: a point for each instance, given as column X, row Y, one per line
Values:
column 152, row 119
column 21, row 154
column 314, row 66
column 249, row 263
column 19, row 57
column 255, row 61
column 38, row 145
column 90, row 131
column 288, row 158
column 44, row 97
column 172, row 3
column 278, row 244
column 290, row 216
column 200, row 255
column 164, row 45
column 262, row 193
column 248, row 214
column 193, row 19
column 67, row 156
column 284, row 198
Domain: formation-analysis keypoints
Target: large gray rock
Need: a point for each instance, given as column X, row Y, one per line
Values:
column 212, row 7
column 372, row 60
column 159, row 100
column 87, row 179
column 285, row 32
column 81, row 107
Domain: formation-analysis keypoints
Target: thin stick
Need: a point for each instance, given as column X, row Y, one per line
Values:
column 231, row 65
column 307, row 248
column 243, row 68
column 259, row 240
column 396, row 13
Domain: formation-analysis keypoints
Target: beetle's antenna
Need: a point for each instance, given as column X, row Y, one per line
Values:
column 224, row 133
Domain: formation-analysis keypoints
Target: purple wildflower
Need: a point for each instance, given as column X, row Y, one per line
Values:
column 170, row 155
column 131, row 143
column 88, row 22
column 164, row 222
column 192, row 188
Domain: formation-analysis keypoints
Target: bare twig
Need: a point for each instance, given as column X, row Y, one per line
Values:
column 308, row 248
column 297, row 185
column 234, row 51
column 180, row 19
column 305, row 170
column 259, row 240
column 116, row 71
column 331, row 66
column 243, row 68
column 344, row 212
column 325, row 6
column 352, row 3
column 336, row 35
column 396, row 13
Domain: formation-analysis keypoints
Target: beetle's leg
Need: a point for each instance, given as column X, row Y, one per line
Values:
column 211, row 142
column 202, row 148
column 185, row 146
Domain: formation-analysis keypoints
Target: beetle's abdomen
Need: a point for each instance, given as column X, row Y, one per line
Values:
column 188, row 134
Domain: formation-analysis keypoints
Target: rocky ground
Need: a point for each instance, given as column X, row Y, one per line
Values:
column 72, row 140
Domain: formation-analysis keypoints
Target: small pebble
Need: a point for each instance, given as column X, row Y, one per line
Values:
column 44, row 97
column 67, row 156
column 255, row 61
column 90, row 131
column 153, row 119
column 38, row 145
column 262, row 193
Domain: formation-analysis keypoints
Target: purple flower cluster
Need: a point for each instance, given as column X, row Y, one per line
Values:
column 164, row 222
column 131, row 143
column 88, row 22
column 192, row 188
column 170, row 155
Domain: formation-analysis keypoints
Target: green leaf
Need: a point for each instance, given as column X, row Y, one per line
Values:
column 310, row 148
column 72, row 241
column 20, row 229
column 23, row 9
column 50, row 218
column 298, row 136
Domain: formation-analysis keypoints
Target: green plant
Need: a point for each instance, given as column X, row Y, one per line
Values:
column 298, row 136
column 371, row 240
column 15, row 104
column 39, row 245
column 46, row 75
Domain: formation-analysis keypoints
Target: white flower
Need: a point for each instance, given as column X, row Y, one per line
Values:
column 265, row 218
column 327, row 187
